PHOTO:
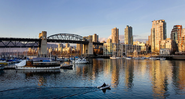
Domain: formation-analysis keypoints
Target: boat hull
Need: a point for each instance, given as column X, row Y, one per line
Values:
column 67, row 67
column 38, row 68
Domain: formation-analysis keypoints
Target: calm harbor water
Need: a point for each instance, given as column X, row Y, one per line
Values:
column 128, row 78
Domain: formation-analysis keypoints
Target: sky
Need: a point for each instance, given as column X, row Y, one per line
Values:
column 27, row 18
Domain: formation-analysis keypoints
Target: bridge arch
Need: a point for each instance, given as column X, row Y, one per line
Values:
column 66, row 36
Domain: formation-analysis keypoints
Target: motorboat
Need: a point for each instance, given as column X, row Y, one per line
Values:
column 128, row 58
column 104, row 86
column 4, row 63
column 81, row 61
column 43, row 63
column 114, row 57
column 162, row 58
column 153, row 58
column 66, row 66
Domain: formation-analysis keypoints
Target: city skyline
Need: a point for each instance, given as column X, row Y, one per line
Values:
column 27, row 18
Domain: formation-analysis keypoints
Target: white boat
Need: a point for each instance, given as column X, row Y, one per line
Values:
column 153, row 58
column 66, row 66
column 128, row 58
column 81, row 61
column 114, row 57
column 2, row 61
column 162, row 58
column 46, row 65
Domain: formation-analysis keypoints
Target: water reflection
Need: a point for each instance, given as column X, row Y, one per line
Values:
column 1, row 72
column 115, row 72
column 178, row 76
column 129, row 74
column 41, row 74
column 157, row 79
column 160, row 73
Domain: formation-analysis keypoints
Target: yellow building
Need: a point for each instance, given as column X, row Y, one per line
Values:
column 158, row 33
column 115, row 35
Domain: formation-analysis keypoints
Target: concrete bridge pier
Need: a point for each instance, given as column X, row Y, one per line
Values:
column 43, row 44
column 88, row 49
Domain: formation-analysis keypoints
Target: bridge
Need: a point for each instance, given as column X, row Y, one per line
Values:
column 41, row 42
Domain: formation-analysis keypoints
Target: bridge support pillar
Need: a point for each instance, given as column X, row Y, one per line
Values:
column 88, row 48
column 43, row 46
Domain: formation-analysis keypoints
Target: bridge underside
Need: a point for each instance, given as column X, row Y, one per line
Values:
column 67, row 41
column 35, row 43
column 19, row 43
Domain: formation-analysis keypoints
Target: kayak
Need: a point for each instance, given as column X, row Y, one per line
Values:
column 104, row 87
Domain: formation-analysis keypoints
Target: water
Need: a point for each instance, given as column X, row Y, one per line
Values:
column 128, row 78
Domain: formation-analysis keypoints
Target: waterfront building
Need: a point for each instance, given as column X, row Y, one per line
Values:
column 60, row 47
column 119, row 49
column 67, row 45
column 50, row 49
column 115, row 35
column 149, row 40
column 183, row 32
column 176, row 33
column 144, row 47
column 158, row 33
column 107, row 47
column 168, row 44
column 181, row 43
column 128, row 35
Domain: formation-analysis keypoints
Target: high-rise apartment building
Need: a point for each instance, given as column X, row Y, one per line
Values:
column 183, row 32
column 95, row 38
column 149, row 40
column 158, row 33
column 176, row 33
column 115, row 35
column 128, row 35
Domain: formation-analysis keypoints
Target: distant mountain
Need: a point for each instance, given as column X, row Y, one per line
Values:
column 122, row 39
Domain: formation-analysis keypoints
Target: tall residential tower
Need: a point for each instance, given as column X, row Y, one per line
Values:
column 115, row 35
column 128, row 35
column 176, row 33
column 158, row 33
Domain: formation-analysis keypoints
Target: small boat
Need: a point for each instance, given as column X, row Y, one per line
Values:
column 128, row 58
column 114, row 57
column 162, row 58
column 104, row 86
column 81, row 61
column 153, row 58
column 66, row 66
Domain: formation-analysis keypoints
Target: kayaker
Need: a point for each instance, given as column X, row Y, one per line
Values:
column 103, row 85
